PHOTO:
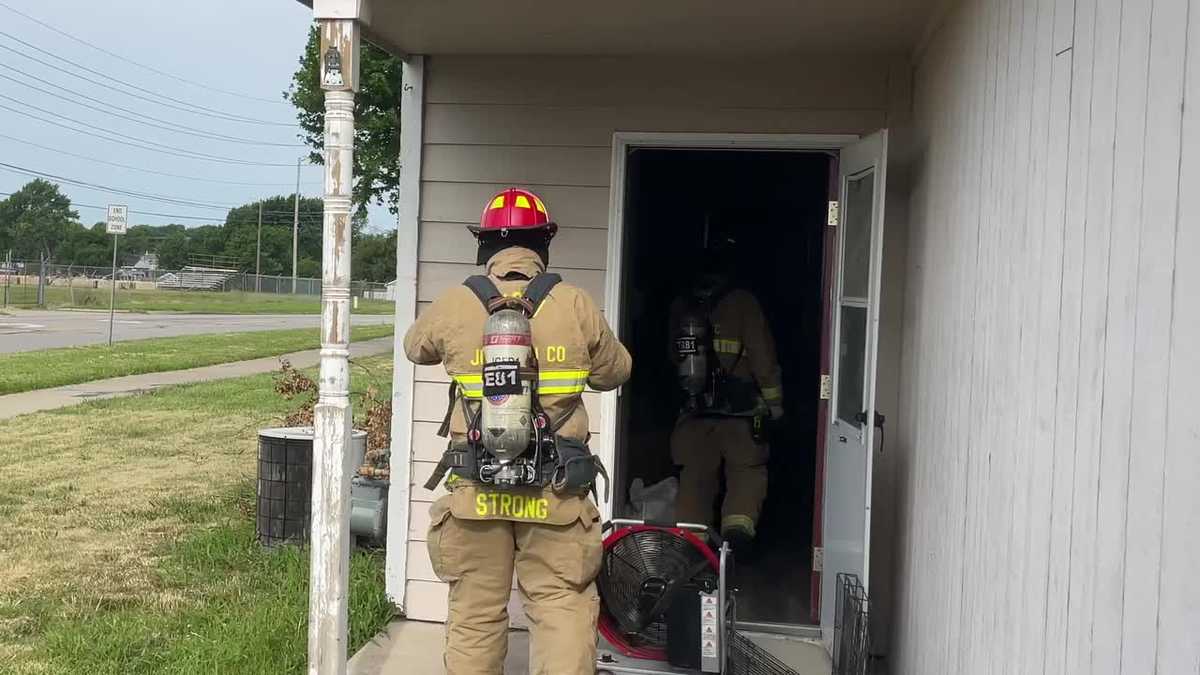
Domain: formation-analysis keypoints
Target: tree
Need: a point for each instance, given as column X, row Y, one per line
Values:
column 173, row 251
column 377, row 119
column 35, row 220
column 374, row 257
column 241, row 233
column 91, row 246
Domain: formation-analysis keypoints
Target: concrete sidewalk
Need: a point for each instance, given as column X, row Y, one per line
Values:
column 60, row 397
column 416, row 647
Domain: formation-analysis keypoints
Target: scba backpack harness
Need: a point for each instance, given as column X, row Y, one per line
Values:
column 511, row 440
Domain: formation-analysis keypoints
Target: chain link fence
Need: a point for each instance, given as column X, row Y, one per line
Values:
column 32, row 283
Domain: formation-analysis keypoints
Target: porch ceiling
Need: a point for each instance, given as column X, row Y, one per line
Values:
column 617, row 27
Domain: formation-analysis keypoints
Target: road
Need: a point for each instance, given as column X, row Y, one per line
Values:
column 12, row 405
column 29, row 330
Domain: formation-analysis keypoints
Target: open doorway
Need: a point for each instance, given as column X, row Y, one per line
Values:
column 781, row 198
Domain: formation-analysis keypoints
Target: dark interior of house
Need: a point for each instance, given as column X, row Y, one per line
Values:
column 777, row 201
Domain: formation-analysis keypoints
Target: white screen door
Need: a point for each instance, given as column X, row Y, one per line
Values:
column 846, row 520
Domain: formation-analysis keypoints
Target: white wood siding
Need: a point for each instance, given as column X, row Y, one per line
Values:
column 1049, row 448
column 547, row 123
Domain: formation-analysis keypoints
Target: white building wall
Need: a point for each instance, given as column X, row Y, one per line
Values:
column 1048, row 439
column 547, row 123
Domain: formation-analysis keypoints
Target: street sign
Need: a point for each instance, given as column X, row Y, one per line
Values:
column 117, row 223
column 118, row 219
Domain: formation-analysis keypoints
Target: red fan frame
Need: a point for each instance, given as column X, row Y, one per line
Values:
column 609, row 628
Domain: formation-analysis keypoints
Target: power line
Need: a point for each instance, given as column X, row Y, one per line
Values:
column 132, row 141
column 140, row 213
column 173, row 216
column 121, row 191
column 135, row 63
column 208, row 219
column 162, row 124
column 138, row 168
column 185, row 106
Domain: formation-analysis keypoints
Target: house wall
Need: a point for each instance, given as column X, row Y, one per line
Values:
column 1047, row 471
column 547, row 123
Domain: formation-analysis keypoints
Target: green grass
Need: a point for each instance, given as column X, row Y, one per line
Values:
column 123, row 551
column 247, row 615
column 195, row 302
column 26, row 371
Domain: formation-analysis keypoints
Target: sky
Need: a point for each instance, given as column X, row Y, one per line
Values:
column 215, row 60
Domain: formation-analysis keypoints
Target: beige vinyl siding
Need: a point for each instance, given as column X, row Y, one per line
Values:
column 547, row 123
column 1049, row 504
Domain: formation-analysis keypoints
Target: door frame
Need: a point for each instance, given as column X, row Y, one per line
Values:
column 614, row 283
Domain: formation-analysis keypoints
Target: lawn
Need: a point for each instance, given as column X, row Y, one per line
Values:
column 196, row 302
column 26, row 371
column 127, row 540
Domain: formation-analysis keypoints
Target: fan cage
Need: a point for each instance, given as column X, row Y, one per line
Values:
column 747, row 658
column 851, row 636
column 630, row 645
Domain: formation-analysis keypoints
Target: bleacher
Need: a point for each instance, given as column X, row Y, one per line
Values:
column 196, row 278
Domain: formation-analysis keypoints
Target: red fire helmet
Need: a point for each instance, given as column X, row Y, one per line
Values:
column 515, row 209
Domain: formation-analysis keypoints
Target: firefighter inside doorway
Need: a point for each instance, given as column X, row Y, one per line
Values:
column 519, row 345
column 732, row 383
column 774, row 203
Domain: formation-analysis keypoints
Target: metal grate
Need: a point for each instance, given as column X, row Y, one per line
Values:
column 851, row 638
column 747, row 658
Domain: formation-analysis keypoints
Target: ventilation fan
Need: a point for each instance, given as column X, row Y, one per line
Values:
column 645, row 569
column 666, row 607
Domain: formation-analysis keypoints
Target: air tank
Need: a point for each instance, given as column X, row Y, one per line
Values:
column 507, row 421
column 691, row 343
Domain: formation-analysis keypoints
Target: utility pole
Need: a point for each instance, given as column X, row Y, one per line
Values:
column 258, row 254
column 296, row 224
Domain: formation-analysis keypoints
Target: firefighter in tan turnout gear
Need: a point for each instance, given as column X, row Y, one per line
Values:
column 727, row 368
column 520, row 346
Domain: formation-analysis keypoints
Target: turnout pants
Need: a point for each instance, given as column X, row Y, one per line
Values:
column 556, row 566
column 700, row 444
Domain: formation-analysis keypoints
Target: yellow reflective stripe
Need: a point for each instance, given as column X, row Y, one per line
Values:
column 477, row 378
column 565, row 389
column 728, row 346
column 562, row 374
column 562, row 381
column 498, row 202
column 549, row 382
column 471, row 385
column 772, row 393
column 522, row 202
column 735, row 521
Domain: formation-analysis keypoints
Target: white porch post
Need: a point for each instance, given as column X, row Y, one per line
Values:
column 329, row 575
column 412, row 117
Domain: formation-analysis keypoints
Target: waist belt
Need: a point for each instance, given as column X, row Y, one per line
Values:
column 452, row 458
column 573, row 467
